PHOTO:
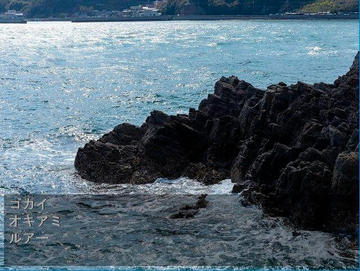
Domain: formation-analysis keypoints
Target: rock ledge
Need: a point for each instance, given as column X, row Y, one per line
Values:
column 291, row 149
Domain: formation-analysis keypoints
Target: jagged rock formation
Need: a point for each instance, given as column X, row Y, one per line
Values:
column 291, row 149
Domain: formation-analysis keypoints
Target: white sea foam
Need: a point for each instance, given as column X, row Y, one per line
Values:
column 180, row 186
column 316, row 51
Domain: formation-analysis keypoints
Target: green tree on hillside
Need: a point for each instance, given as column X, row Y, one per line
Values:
column 47, row 8
column 331, row 6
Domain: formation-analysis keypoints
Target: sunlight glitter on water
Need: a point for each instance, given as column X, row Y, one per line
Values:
column 63, row 84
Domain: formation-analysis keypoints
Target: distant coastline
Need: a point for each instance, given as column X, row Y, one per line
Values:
column 223, row 17
column 13, row 21
column 351, row 16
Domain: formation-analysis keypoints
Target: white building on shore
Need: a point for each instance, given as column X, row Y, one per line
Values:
column 12, row 14
column 141, row 11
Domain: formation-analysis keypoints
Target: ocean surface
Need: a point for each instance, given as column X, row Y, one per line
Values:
column 63, row 84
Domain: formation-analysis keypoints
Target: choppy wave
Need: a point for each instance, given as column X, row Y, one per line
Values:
column 225, row 234
column 181, row 186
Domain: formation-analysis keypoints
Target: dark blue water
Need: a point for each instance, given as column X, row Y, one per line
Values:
column 63, row 84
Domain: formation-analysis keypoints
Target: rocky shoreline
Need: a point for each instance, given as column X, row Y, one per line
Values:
column 291, row 149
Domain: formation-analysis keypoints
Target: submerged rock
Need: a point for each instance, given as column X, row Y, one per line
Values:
column 291, row 149
column 189, row 211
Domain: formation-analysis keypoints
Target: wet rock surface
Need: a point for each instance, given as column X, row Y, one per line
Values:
column 189, row 211
column 291, row 149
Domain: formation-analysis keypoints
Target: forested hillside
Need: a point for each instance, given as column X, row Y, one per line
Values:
column 256, row 6
column 47, row 8
column 332, row 6
column 232, row 6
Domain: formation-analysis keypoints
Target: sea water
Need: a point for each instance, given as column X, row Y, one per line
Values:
column 63, row 84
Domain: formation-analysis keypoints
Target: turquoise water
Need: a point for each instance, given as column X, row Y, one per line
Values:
column 63, row 84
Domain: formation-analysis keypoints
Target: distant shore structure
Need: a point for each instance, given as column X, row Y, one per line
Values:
column 132, row 11
column 141, row 11
column 12, row 16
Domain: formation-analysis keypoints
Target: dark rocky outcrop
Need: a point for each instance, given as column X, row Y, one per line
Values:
column 189, row 211
column 291, row 149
